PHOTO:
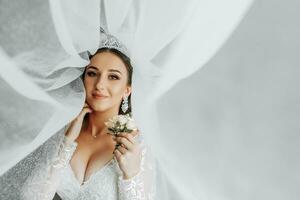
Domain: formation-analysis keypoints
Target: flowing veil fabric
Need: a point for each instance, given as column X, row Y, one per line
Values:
column 42, row 56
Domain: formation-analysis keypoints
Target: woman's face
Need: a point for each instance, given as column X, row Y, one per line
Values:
column 105, row 82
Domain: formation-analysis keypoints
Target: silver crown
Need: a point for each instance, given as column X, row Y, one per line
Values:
column 110, row 41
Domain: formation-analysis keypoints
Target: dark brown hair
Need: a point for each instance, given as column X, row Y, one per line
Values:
column 127, row 62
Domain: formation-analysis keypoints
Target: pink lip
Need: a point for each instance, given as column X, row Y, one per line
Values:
column 99, row 96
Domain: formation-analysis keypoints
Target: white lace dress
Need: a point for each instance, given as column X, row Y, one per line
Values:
column 105, row 184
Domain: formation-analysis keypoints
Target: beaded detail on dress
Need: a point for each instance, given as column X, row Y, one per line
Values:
column 65, row 153
column 105, row 184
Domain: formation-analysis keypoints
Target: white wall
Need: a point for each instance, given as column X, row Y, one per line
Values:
column 245, row 107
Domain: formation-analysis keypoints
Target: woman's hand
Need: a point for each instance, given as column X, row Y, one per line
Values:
column 128, row 154
column 75, row 126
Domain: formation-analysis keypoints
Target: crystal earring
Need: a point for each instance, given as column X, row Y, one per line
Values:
column 124, row 106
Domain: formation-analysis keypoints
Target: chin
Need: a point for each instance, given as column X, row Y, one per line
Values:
column 99, row 107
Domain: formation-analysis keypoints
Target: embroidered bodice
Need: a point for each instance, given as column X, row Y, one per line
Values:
column 104, row 184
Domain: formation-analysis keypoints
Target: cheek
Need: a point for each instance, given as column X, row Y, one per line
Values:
column 88, row 85
column 117, row 90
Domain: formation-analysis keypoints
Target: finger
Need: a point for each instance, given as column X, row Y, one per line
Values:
column 122, row 134
column 83, row 113
column 86, row 104
column 86, row 110
column 117, row 154
column 128, row 136
column 123, row 140
column 131, row 138
column 118, row 144
column 125, row 134
column 122, row 149
column 135, row 132
column 133, row 135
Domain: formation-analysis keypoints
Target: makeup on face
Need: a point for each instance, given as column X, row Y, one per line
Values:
column 105, row 81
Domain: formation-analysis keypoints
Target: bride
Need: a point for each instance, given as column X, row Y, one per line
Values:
column 41, row 91
column 90, row 163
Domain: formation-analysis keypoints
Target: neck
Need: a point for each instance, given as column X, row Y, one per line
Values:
column 95, row 122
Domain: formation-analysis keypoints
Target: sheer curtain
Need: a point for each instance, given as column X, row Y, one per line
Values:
column 42, row 45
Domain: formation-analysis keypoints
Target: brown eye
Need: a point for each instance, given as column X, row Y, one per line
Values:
column 91, row 73
column 114, row 77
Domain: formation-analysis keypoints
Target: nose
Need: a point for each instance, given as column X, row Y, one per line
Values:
column 101, row 83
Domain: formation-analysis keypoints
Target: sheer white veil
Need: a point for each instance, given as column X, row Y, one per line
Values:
column 42, row 45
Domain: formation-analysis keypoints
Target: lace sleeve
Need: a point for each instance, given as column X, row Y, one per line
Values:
column 141, row 186
column 43, row 183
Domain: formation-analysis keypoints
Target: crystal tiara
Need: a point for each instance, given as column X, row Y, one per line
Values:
column 110, row 41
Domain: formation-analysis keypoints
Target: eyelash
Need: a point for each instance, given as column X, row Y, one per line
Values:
column 92, row 74
column 114, row 77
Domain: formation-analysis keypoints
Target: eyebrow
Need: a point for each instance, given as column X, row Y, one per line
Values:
column 111, row 70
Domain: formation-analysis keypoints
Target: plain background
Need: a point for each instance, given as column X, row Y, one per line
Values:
column 248, row 108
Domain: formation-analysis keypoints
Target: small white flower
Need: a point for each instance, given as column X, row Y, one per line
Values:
column 123, row 119
column 122, row 126
column 120, row 123
column 130, row 124
column 115, row 119
column 109, row 124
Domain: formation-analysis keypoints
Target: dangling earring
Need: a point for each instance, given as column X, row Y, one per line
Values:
column 124, row 106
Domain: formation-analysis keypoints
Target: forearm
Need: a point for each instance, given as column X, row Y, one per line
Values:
column 65, row 153
column 44, row 182
column 132, row 189
column 141, row 186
